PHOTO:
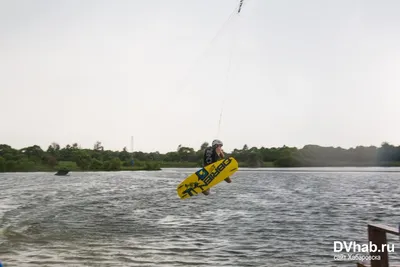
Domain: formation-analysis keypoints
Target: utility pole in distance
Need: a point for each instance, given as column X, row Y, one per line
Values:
column 132, row 161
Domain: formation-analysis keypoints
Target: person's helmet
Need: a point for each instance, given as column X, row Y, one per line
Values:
column 216, row 142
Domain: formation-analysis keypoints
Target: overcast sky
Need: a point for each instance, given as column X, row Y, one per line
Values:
column 285, row 73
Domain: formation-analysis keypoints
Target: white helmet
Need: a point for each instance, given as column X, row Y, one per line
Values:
column 216, row 142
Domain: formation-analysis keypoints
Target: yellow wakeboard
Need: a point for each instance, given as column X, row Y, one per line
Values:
column 207, row 177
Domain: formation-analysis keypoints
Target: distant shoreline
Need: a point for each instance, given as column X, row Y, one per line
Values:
column 243, row 168
column 74, row 158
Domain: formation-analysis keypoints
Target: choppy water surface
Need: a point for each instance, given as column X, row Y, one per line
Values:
column 264, row 218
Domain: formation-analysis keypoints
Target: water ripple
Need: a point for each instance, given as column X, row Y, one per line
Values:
column 263, row 218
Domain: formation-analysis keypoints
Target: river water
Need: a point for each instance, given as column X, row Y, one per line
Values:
column 268, row 217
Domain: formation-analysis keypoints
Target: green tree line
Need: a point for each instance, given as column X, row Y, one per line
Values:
column 73, row 157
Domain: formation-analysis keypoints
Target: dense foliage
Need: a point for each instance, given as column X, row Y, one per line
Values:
column 73, row 157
